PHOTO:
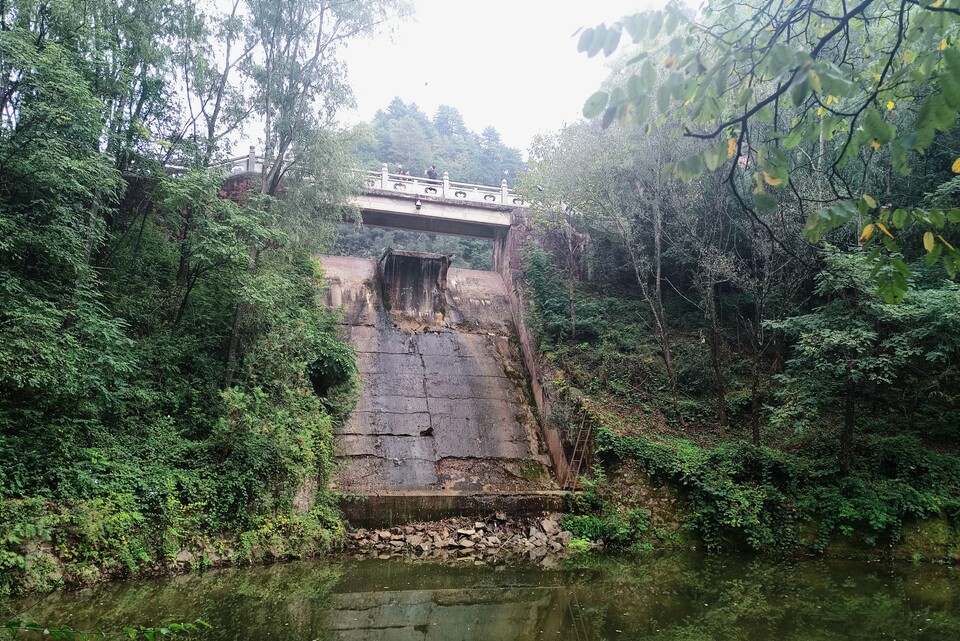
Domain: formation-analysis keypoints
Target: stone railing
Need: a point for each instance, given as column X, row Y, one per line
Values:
column 443, row 188
column 401, row 184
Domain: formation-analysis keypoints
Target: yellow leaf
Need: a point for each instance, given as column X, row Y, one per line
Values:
column 876, row 76
column 820, row 111
column 874, row 144
column 732, row 148
column 890, row 105
column 867, row 233
column 815, row 84
column 928, row 241
column 943, row 44
column 831, row 100
column 771, row 180
column 871, row 203
column 955, row 167
column 884, row 229
column 944, row 241
column 938, row 4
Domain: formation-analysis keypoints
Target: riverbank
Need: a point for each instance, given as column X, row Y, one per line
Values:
column 494, row 540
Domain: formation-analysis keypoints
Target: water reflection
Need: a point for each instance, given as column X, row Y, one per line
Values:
column 668, row 598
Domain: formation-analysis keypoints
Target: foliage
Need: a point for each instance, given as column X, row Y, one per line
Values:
column 779, row 94
column 762, row 497
column 852, row 346
column 167, row 377
column 604, row 520
column 13, row 626
column 403, row 135
column 371, row 242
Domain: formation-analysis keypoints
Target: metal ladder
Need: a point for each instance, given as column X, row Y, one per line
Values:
column 581, row 446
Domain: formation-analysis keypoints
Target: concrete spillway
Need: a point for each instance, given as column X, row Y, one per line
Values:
column 442, row 424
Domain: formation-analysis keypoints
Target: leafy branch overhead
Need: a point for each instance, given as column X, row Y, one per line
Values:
column 806, row 106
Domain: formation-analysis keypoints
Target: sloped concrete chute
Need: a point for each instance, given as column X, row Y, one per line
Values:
column 443, row 425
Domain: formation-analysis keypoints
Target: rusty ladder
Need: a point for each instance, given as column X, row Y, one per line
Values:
column 580, row 447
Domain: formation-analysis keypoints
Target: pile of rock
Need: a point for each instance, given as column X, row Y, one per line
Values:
column 492, row 540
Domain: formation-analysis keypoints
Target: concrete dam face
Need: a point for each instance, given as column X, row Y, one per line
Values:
column 443, row 412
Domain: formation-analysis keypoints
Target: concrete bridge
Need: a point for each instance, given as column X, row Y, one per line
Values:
column 412, row 203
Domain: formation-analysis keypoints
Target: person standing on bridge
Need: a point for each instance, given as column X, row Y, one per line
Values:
column 432, row 172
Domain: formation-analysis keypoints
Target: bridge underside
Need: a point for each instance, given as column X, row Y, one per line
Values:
column 429, row 225
column 434, row 215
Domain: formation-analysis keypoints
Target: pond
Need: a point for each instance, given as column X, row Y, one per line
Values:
column 688, row 597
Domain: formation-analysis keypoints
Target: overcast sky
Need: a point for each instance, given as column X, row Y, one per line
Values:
column 512, row 64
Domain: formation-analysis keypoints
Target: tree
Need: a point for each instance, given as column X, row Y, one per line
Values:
column 597, row 177
column 852, row 349
column 827, row 90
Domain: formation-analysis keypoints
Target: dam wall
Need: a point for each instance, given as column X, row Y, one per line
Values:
column 443, row 424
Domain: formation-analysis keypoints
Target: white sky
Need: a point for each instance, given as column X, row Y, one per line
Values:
column 511, row 64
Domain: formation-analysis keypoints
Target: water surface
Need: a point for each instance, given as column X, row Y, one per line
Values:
column 663, row 598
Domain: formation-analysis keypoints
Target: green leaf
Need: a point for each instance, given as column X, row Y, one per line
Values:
column 595, row 104
column 611, row 42
column 586, row 37
column 800, row 89
column 937, row 218
column 656, row 21
column 635, row 88
column 648, row 75
column 596, row 42
column 672, row 20
column 608, row 117
column 765, row 202
column 642, row 106
column 712, row 159
column 793, row 138
column 877, row 128
column 663, row 99
column 636, row 26
column 900, row 217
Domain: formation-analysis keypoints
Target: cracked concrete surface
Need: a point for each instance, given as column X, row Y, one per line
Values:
column 442, row 405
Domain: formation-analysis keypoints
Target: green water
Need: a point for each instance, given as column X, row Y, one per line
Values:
column 676, row 597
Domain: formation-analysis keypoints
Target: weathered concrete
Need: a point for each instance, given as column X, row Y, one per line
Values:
column 388, row 509
column 443, row 407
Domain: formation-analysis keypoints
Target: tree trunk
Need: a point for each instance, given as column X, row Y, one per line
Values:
column 715, row 357
column 659, row 311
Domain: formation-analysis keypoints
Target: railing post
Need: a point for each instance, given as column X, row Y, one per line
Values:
column 252, row 160
column 503, row 191
column 383, row 176
column 446, row 183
